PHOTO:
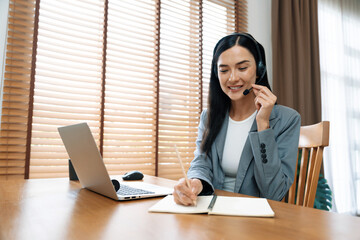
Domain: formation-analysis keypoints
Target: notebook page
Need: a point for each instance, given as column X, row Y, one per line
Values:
column 167, row 204
column 242, row 206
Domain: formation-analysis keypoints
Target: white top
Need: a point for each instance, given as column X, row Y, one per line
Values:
column 236, row 136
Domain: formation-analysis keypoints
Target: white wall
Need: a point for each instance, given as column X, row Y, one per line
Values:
column 4, row 9
column 259, row 25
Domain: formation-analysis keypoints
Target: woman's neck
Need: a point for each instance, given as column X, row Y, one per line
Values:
column 241, row 110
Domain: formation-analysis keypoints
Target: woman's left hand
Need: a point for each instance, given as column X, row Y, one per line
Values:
column 264, row 102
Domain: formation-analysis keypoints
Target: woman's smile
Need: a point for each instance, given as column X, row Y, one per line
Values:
column 235, row 88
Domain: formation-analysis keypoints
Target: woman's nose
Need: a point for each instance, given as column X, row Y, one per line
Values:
column 233, row 77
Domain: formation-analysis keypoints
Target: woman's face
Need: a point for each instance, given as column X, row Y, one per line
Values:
column 237, row 71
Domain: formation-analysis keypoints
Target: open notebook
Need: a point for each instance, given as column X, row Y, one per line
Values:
column 218, row 205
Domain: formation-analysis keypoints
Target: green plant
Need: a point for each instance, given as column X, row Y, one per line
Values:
column 323, row 197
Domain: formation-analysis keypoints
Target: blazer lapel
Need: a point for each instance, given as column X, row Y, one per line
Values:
column 273, row 119
column 245, row 160
column 247, row 155
column 220, row 139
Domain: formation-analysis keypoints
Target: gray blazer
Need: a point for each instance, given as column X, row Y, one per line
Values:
column 267, row 164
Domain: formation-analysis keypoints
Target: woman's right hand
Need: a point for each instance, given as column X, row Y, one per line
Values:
column 183, row 195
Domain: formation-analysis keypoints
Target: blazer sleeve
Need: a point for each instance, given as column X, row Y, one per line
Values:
column 201, row 166
column 275, row 156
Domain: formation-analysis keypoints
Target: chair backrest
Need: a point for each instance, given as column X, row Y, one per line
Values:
column 313, row 139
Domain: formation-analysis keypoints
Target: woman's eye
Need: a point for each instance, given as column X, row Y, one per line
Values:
column 223, row 70
column 242, row 68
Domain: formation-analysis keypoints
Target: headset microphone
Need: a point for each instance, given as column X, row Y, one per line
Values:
column 247, row 91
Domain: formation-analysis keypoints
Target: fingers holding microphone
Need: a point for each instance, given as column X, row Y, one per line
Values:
column 263, row 97
column 264, row 103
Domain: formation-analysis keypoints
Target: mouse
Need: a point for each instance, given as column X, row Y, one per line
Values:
column 133, row 175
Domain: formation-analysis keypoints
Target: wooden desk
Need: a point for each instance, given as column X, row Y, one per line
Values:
column 60, row 209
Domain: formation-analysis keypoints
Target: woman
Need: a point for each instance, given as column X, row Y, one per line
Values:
column 246, row 142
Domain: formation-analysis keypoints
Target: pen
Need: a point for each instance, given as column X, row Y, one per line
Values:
column 212, row 203
column 183, row 170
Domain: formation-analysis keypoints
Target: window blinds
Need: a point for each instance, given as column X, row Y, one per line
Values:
column 130, row 96
column 179, row 84
column 136, row 71
column 16, row 91
column 67, row 80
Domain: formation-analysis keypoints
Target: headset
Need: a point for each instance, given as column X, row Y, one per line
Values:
column 260, row 67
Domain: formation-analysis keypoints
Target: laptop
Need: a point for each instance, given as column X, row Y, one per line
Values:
column 90, row 168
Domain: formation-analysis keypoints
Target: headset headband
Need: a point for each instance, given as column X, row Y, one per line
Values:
column 261, row 68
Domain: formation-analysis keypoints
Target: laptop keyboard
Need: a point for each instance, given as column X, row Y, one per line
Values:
column 126, row 190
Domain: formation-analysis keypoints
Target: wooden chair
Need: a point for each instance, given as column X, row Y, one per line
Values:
column 313, row 139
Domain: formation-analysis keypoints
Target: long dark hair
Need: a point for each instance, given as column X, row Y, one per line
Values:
column 218, row 102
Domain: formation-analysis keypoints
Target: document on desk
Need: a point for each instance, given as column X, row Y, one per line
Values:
column 218, row 205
